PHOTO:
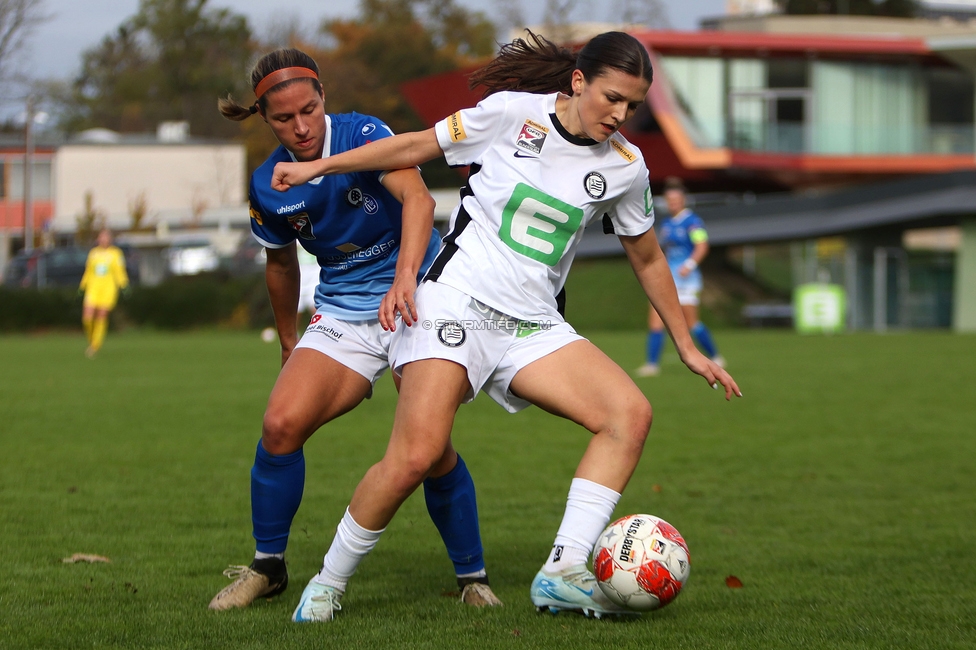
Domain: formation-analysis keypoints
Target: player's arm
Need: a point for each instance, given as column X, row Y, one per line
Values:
column 283, row 278
column 397, row 152
column 408, row 188
column 86, row 276
column 651, row 268
column 121, row 276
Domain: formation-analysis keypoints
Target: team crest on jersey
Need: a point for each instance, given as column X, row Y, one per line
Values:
column 595, row 185
column 532, row 137
column 369, row 128
column 302, row 224
column 451, row 334
column 255, row 214
column 354, row 197
column 370, row 205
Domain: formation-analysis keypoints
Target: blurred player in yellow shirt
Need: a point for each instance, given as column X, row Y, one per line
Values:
column 104, row 276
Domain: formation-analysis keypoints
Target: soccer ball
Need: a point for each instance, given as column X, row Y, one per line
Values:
column 641, row 562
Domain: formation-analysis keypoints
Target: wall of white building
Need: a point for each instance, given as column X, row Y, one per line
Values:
column 179, row 182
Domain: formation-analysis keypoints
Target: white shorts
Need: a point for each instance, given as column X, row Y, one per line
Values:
column 688, row 297
column 361, row 346
column 490, row 345
column 688, row 286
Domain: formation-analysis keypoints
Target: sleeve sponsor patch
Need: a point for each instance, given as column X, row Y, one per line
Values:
column 627, row 155
column 456, row 128
column 255, row 214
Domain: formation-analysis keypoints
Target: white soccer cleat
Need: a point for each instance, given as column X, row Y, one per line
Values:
column 478, row 594
column 573, row 590
column 319, row 603
column 648, row 370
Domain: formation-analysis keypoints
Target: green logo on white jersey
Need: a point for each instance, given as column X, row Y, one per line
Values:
column 537, row 225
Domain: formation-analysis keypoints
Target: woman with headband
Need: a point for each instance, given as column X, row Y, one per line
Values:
column 372, row 234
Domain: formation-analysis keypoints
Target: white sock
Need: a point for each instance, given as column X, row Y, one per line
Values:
column 349, row 546
column 588, row 510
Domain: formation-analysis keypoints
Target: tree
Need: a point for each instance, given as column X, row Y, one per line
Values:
column 170, row 61
column 393, row 41
column 18, row 18
column 363, row 60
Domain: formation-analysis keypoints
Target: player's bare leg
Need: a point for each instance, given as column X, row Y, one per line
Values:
column 582, row 384
column 312, row 389
column 419, row 446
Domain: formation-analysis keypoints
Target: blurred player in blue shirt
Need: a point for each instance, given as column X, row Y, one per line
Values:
column 685, row 243
column 372, row 235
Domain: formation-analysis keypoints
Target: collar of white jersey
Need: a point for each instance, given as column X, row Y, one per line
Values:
column 561, row 129
column 326, row 148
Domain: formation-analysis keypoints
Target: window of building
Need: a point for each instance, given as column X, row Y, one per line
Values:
column 699, row 87
column 950, row 104
column 40, row 179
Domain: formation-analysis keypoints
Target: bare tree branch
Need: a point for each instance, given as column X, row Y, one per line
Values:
column 18, row 18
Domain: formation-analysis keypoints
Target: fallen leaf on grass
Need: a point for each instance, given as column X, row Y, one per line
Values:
column 85, row 557
column 733, row 583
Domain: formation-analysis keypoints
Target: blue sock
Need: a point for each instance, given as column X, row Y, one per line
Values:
column 453, row 508
column 277, row 484
column 704, row 339
column 655, row 342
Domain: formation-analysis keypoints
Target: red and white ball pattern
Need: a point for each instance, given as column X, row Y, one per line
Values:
column 641, row 562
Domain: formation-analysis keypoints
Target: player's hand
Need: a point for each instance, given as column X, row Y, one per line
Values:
column 683, row 271
column 399, row 300
column 699, row 364
column 287, row 347
column 290, row 174
column 285, row 353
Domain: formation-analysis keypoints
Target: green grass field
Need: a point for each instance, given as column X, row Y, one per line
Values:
column 841, row 491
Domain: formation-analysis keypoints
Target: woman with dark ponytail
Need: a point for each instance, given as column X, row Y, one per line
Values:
column 373, row 236
column 546, row 159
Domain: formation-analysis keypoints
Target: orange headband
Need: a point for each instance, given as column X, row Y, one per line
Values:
column 285, row 74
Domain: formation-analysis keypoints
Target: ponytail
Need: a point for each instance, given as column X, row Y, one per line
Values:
column 532, row 65
column 232, row 110
column 537, row 65
column 291, row 66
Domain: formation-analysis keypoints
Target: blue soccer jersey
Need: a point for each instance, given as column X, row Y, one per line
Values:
column 678, row 236
column 349, row 222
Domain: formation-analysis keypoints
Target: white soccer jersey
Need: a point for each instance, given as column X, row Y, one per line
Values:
column 532, row 190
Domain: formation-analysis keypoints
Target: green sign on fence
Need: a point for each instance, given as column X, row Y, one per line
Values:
column 819, row 308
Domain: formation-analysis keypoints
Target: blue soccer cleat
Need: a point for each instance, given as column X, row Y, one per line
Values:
column 573, row 590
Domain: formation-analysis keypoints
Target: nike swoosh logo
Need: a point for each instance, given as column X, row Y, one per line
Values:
column 519, row 154
column 299, row 618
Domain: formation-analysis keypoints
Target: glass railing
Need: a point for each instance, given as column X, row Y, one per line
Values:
column 848, row 140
